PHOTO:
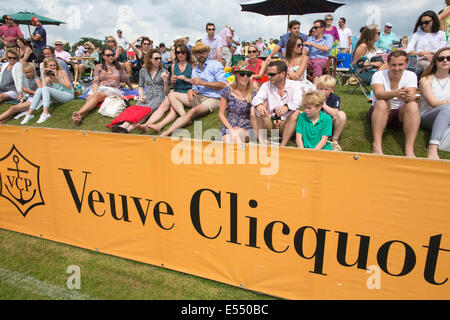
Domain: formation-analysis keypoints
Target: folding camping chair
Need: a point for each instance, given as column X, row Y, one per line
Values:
column 362, row 76
column 344, row 64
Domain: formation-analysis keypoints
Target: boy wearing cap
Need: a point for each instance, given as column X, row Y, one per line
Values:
column 387, row 37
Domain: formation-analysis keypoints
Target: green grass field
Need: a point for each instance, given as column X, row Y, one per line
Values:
column 34, row 268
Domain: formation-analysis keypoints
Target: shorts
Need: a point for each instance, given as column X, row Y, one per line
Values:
column 109, row 91
column 317, row 65
column 12, row 94
column 211, row 103
column 393, row 119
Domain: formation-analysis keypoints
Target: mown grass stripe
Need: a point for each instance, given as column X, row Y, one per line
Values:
column 38, row 287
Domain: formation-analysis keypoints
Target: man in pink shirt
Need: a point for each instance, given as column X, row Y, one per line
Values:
column 277, row 103
column 227, row 41
column 9, row 32
column 60, row 52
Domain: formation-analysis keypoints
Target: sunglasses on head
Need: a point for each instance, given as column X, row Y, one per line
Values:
column 426, row 22
column 442, row 58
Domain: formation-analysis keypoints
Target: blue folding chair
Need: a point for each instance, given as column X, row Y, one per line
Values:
column 344, row 64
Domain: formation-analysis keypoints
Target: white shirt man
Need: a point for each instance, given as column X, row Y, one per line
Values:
column 345, row 37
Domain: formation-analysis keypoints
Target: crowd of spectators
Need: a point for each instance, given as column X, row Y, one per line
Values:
column 280, row 85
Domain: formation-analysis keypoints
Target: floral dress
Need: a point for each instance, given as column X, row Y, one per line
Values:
column 154, row 89
column 238, row 111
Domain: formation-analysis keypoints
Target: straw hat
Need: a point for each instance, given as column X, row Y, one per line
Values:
column 200, row 47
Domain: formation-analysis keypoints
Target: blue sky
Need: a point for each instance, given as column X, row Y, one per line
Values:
column 165, row 20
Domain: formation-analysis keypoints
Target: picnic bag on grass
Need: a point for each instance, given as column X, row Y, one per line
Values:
column 444, row 144
column 112, row 106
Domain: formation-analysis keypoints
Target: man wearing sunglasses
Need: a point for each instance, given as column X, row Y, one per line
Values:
column 277, row 103
column 9, row 32
column 319, row 47
column 208, row 80
column 213, row 41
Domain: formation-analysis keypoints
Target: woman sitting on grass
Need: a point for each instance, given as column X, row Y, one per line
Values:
column 236, row 103
column 55, row 85
column 25, row 50
column 107, row 78
column 181, row 78
column 31, row 83
column 296, row 61
column 153, row 89
column 435, row 99
column 11, row 77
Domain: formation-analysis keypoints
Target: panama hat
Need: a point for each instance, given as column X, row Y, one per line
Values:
column 200, row 47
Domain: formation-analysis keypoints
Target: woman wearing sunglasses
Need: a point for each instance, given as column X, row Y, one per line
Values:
column 296, row 61
column 153, row 90
column 235, row 104
column 427, row 38
column 181, row 78
column 256, row 65
column 107, row 78
column 145, row 44
column 435, row 99
column 11, row 77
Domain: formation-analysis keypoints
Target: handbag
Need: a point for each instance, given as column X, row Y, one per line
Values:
column 112, row 106
column 444, row 144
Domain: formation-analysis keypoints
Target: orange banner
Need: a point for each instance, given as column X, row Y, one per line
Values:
column 298, row 224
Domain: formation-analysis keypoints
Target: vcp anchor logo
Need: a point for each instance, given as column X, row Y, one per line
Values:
column 19, row 181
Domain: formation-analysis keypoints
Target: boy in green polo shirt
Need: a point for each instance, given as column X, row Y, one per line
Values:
column 313, row 126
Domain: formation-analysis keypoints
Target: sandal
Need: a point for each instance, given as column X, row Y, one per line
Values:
column 336, row 146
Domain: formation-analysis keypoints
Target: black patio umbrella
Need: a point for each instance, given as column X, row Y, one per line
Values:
column 291, row 7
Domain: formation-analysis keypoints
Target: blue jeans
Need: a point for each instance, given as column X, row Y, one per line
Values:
column 438, row 120
column 46, row 93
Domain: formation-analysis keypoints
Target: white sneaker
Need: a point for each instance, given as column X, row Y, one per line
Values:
column 43, row 117
column 27, row 118
column 20, row 115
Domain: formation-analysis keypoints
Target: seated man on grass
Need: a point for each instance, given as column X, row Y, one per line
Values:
column 208, row 80
column 277, row 103
column 394, row 105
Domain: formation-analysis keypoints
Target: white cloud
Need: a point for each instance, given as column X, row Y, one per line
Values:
column 163, row 21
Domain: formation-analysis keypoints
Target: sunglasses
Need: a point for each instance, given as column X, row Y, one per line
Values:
column 244, row 74
column 157, row 58
column 109, row 55
column 12, row 58
column 328, row 19
column 272, row 74
column 146, row 44
column 426, row 22
column 180, row 52
column 442, row 58
column 299, row 45
column 211, row 29
column 111, row 41
column 316, row 27
column 252, row 51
